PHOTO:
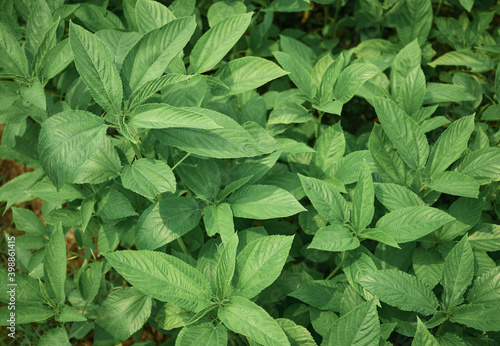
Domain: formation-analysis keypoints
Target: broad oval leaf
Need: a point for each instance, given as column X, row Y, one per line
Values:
column 162, row 116
column 263, row 202
column 216, row 42
column 248, row 73
column 359, row 326
column 411, row 223
column 325, row 199
column 122, row 313
column 404, row 133
column 260, row 263
column 148, row 178
column 401, row 290
column 334, row 238
column 163, row 277
column 149, row 58
column 245, row 317
column 54, row 267
column 166, row 221
column 66, row 141
column 202, row 334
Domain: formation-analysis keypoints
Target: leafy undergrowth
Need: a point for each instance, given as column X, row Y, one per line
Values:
column 258, row 172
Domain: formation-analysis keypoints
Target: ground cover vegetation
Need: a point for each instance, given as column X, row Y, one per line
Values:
column 258, row 172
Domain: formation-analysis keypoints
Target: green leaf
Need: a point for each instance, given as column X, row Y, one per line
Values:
column 54, row 336
column 57, row 59
column 102, row 166
column 411, row 223
column 484, row 317
column 423, row 337
column 151, row 87
column 404, row 133
column 360, row 326
column 216, row 42
column 26, row 313
column 334, row 238
column 54, row 266
column 467, row 212
column 48, row 42
column 12, row 57
column 486, row 288
column 467, row 4
column 322, row 320
column 395, row 197
column 401, row 290
column 119, row 43
column 289, row 5
column 476, row 61
column 161, row 116
column 148, row 178
column 148, row 59
column 263, row 202
column 329, row 79
column 202, row 334
column 97, row 69
column 229, row 141
column 483, row 165
column 330, row 147
column 244, row 74
column 39, row 22
column 69, row 314
column 219, row 219
column 163, row 277
column 363, row 200
column 299, row 74
column 413, row 20
column 351, row 79
column 450, row 145
column 325, row 199
column 455, row 183
column 166, row 221
column 114, row 205
column 224, row 9
column 458, row 272
column 486, row 237
column 225, row 268
column 386, row 159
column 201, row 176
column 151, row 15
column 378, row 235
column 245, row 317
column 35, row 236
column 122, row 313
column 34, row 94
column 428, row 265
column 88, row 280
column 321, row 294
column 259, row 264
column 440, row 92
column 297, row 335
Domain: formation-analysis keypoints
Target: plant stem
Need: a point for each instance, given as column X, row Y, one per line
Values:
column 180, row 161
column 441, row 327
column 78, row 255
column 183, row 247
column 337, row 268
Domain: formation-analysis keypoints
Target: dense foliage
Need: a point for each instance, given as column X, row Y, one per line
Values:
column 258, row 172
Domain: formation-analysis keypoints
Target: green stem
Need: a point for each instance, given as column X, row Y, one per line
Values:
column 320, row 117
column 338, row 267
column 183, row 247
column 180, row 161
column 78, row 255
